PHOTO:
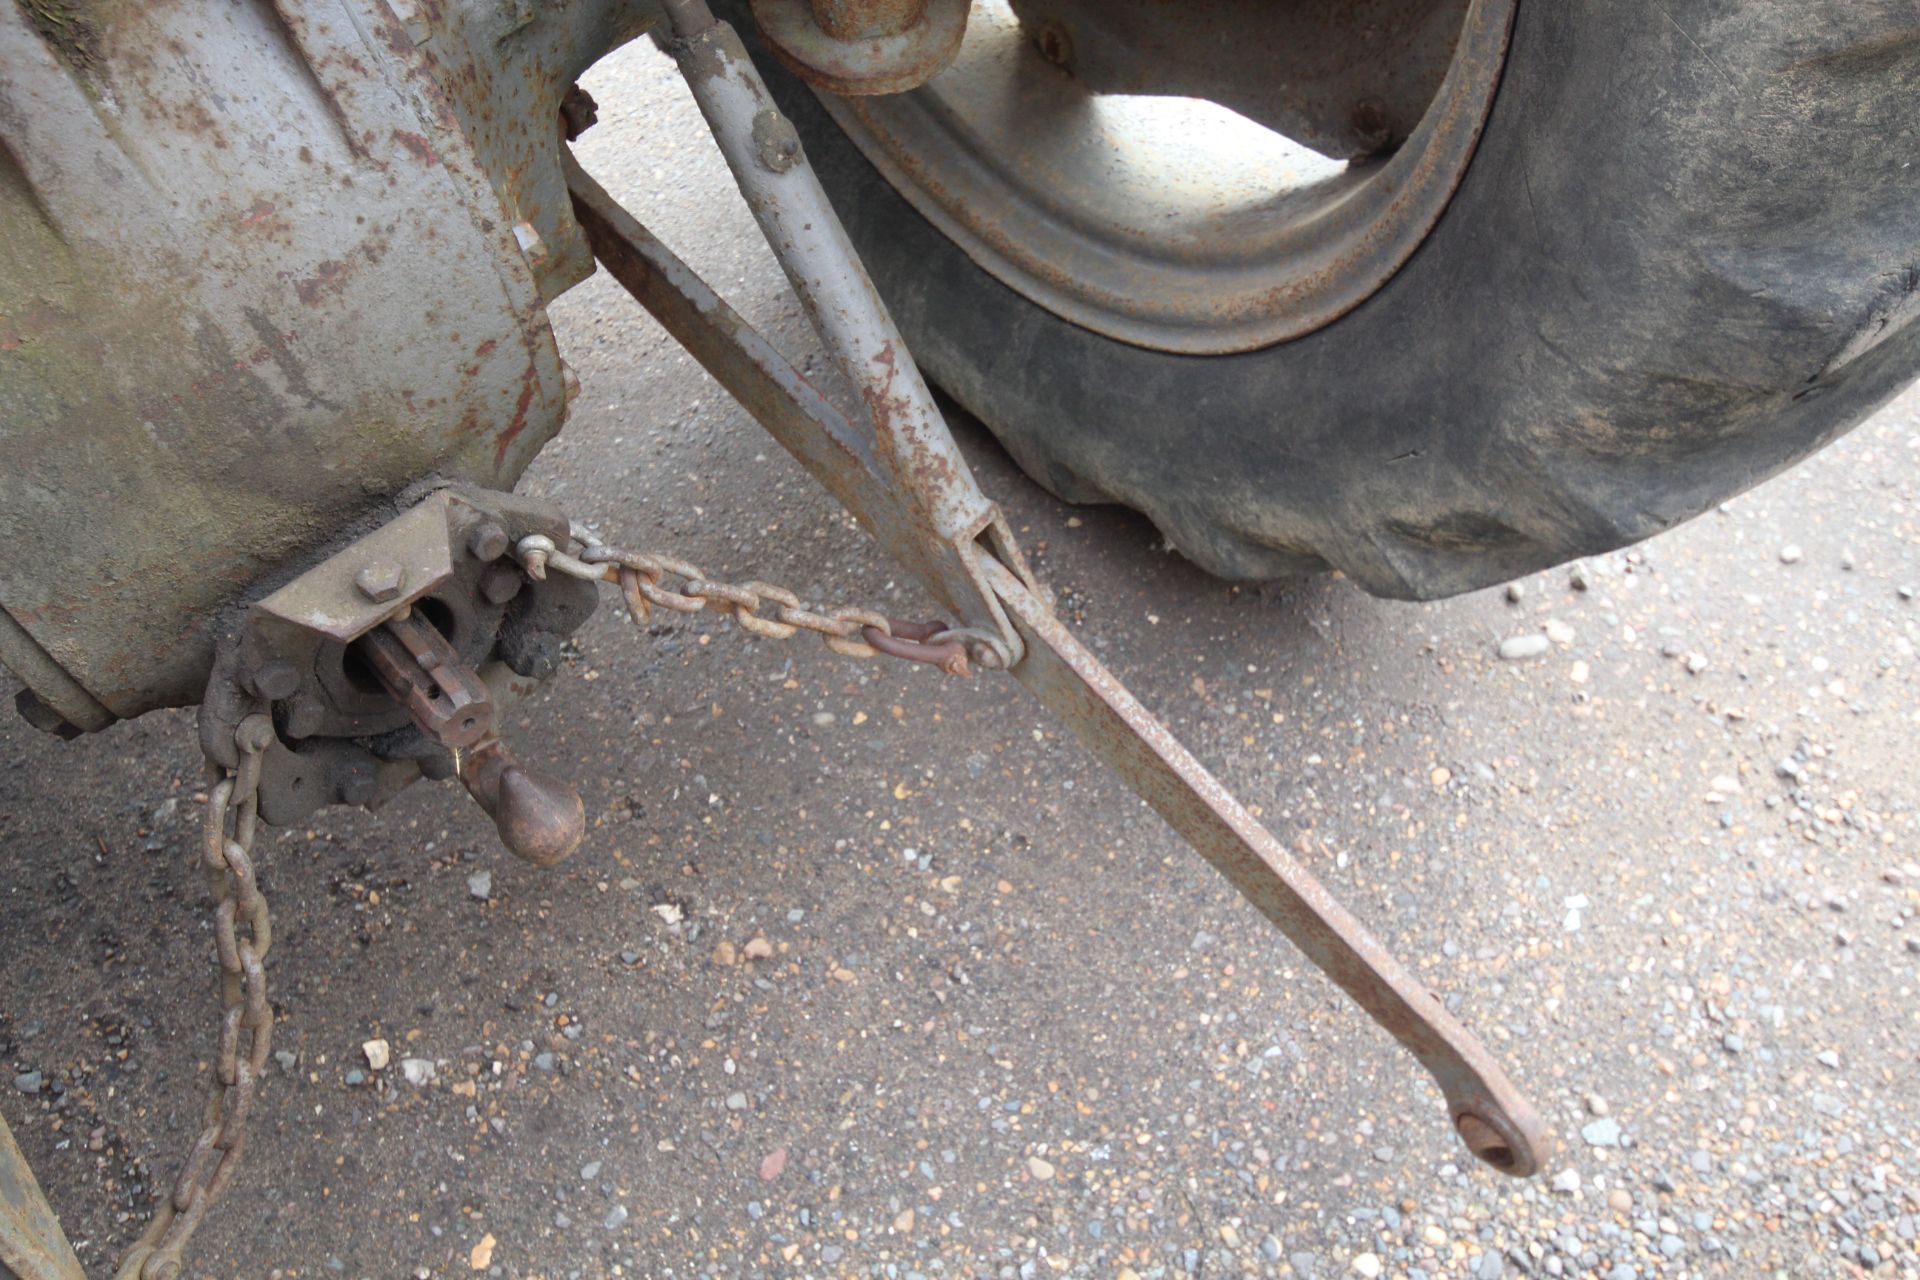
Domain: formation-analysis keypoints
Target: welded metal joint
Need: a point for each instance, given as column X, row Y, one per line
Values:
column 912, row 451
column 775, row 140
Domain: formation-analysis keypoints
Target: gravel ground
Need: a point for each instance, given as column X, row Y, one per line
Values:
column 866, row 972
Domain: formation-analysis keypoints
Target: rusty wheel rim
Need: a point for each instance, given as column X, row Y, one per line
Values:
column 1172, row 224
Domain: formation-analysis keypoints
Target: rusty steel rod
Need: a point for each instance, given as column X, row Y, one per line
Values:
column 767, row 385
column 912, row 490
column 1497, row 1123
column 1495, row 1120
column 763, row 151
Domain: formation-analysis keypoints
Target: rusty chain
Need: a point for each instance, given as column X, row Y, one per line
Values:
column 243, row 932
column 761, row 608
column 243, row 929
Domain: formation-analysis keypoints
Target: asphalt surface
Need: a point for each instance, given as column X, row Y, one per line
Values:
column 865, row 971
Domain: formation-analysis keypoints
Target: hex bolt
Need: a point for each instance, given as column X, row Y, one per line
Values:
column 488, row 541
column 276, row 678
column 43, row 717
column 355, row 785
column 380, row 580
column 1054, row 44
column 305, row 719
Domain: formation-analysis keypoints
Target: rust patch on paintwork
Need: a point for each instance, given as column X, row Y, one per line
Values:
column 231, row 390
column 36, row 322
column 417, row 146
column 529, row 379
column 394, row 35
column 264, row 216
column 470, row 423
column 421, row 65
column 193, row 117
column 930, row 468
column 327, row 281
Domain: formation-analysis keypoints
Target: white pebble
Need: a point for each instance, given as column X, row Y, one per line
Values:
column 1517, row 648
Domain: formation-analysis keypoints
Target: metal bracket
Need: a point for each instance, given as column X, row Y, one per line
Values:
column 911, row 488
column 442, row 549
column 302, row 652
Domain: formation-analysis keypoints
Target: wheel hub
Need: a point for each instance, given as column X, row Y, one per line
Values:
column 1200, row 179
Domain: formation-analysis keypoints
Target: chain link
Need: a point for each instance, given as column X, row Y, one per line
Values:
column 243, row 933
column 761, row 608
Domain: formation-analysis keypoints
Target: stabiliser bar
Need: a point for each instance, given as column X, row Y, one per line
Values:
column 903, row 478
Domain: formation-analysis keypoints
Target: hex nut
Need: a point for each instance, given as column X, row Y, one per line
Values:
column 501, row 583
column 488, row 541
column 276, row 678
column 380, row 580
